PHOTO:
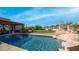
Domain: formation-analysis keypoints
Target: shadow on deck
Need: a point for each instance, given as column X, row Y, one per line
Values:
column 75, row 48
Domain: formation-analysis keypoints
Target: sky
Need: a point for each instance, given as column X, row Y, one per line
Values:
column 44, row 16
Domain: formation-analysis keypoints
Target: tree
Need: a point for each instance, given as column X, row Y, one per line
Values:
column 38, row 27
column 75, row 27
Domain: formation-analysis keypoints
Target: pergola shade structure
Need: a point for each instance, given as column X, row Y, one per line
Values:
column 12, row 26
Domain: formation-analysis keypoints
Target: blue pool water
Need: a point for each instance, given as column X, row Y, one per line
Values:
column 31, row 42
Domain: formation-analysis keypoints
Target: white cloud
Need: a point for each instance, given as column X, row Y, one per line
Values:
column 36, row 13
column 41, row 16
column 69, row 13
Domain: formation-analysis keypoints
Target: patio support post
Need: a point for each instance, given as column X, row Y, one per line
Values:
column 68, row 28
column 22, row 28
column 13, row 28
column 59, row 27
column 3, row 27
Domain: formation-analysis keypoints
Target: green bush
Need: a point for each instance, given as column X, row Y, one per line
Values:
column 4, row 31
column 24, row 30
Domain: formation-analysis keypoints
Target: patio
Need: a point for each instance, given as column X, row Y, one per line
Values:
column 10, row 26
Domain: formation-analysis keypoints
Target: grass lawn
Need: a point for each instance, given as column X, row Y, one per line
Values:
column 43, row 31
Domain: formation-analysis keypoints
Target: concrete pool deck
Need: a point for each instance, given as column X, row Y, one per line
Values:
column 8, row 47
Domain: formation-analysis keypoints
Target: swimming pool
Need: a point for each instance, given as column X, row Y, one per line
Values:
column 31, row 42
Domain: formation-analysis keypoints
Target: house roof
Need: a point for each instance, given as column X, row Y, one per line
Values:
column 9, row 22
